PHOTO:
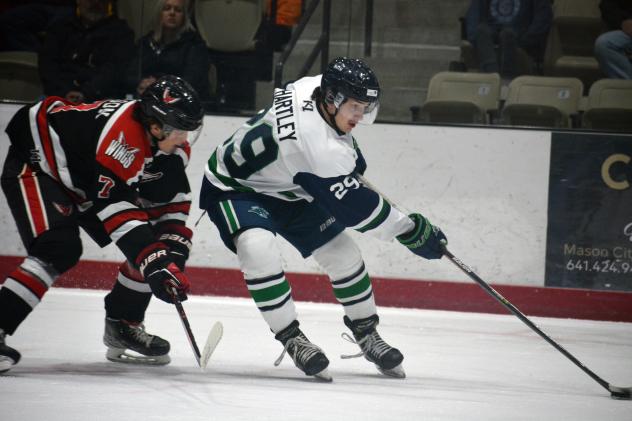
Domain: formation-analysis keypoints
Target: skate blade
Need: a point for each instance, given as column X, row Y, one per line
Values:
column 118, row 355
column 324, row 376
column 214, row 336
column 396, row 372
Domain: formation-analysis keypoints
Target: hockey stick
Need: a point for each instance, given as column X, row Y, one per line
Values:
column 615, row 391
column 214, row 336
column 187, row 327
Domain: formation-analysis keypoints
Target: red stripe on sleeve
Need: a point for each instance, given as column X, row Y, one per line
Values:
column 157, row 212
column 115, row 221
column 35, row 208
column 34, row 284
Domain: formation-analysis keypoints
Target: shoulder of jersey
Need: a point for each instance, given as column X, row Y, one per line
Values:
column 322, row 152
column 303, row 88
column 123, row 146
column 310, row 125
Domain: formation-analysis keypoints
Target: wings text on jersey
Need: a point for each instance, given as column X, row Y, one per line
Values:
column 121, row 151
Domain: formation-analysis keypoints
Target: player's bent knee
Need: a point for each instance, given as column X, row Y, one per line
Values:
column 258, row 253
column 61, row 248
column 340, row 257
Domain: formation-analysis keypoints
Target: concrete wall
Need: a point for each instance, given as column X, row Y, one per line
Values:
column 486, row 188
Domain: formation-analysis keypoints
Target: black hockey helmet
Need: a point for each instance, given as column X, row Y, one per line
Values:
column 351, row 78
column 174, row 103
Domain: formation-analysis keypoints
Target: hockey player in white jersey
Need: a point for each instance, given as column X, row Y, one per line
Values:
column 292, row 170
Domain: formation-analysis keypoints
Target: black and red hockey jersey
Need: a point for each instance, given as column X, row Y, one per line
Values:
column 102, row 157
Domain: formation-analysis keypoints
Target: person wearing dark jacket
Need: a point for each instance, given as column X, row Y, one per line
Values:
column 23, row 23
column 172, row 47
column 613, row 49
column 80, row 58
column 508, row 24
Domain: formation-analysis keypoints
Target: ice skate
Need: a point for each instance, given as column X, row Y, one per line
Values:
column 308, row 357
column 122, row 336
column 8, row 356
column 387, row 359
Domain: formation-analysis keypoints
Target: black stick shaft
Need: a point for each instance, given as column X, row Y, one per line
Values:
column 502, row 300
column 187, row 329
column 616, row 392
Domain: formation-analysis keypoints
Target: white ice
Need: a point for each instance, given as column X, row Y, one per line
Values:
column 460, row 366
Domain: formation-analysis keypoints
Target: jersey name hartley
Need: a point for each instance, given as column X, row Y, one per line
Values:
column 284, row 111
column 121, row 151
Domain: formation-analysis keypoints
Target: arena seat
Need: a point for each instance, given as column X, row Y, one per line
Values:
column 229, row 25
column 19, row 78
column 609, row 105
column 570, row 44
column 460, row 97
column 542, row 101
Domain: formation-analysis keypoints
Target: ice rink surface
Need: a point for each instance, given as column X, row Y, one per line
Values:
column 459, row 366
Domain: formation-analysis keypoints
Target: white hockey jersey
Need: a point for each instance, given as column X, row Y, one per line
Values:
column 290, row 152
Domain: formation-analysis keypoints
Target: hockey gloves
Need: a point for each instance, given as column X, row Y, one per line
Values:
column 424, row 239
column 164, row 277
column 178, row 239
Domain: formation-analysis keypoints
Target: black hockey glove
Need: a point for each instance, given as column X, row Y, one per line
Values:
column 424, row 239
column 163, row 276
column 178, row 239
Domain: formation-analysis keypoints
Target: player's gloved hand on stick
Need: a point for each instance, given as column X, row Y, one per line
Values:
column 163, row 276
column 178, row 239
column 424, row 239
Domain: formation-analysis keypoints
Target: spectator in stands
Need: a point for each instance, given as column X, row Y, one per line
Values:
column 172, row 47
column 279, row 32
column 81, row 55
column 613, row 49
column 497, row 28
column 23, row 25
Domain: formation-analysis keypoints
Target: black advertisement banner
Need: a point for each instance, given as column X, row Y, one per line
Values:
column 589, row 233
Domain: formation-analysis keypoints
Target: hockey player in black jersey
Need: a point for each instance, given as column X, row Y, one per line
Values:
column 116, row 169
column 292, row 170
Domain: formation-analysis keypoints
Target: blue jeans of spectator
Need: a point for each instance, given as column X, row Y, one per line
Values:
column 614, row 52
column 491, row 61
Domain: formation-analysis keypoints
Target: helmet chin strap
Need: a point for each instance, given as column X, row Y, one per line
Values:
column 332, row 118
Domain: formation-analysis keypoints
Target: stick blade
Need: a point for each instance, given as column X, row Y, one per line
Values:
column 214, row 336
column 623, row 393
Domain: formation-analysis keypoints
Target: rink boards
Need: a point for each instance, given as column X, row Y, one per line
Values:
column 539, row 214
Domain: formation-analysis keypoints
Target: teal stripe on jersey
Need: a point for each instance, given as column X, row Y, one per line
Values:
column 270, row 292
column 354, row 289
column 381, row 217
column 289, row 195
column 229, row 216
column 227, row 181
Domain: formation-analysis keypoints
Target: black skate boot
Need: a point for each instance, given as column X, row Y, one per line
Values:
column 387, row 359
column 121, row 335
column 308, row 357
column 8, row 356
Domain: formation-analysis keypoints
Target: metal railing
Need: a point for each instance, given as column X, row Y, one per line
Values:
column 321, row 47
column 368, row 28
